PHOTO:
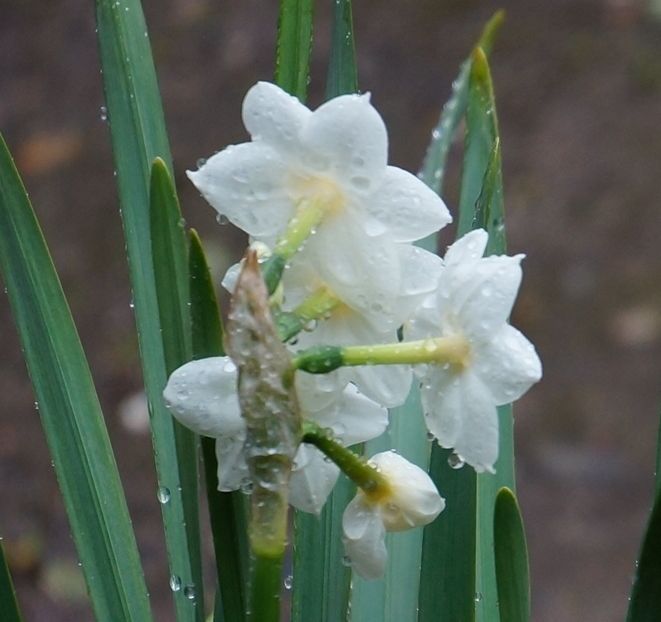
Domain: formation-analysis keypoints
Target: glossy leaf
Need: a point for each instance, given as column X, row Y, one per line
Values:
column 70, row 412
column 294, row 44
column 511, row 557
column 645, row 601
column 170, row 261
column 433, row 167
column 138, row 135
column 8, row 603
column 342, row 73
column 227, row 511
column 472, row 587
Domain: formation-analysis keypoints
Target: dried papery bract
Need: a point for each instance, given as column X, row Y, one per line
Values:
column 268, row 404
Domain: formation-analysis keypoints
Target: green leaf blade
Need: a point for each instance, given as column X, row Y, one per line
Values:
column 645, row 601
column 342, row 72
column 170, row 261
column 227, row 511
column 433, row 167
column 511, row 557
column 138, row 135
column 293, row 46
column 70, row 411
column 481, row 205
column 8, row 603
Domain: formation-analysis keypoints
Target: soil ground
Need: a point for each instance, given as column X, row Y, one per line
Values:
column 578, row 84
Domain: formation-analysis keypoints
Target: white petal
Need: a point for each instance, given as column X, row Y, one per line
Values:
column 482, row 294
column 407, row 207
column 364, row 538
column 311, row 483
column 272, row 115
column 346, row 138
column 247, row 184
column 231, row 277
column 202, row 396
column 468, row 248
column 389, row 385
column 508, row 365
column 364, row 272
column 420, row 274
column 314, row 394
column 232, row 468
column 442, row 401
column 353, row 417
column 414, row 500
column 477, row 443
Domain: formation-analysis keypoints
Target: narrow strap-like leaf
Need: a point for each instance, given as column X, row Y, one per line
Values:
column 645, row 601
column 170, row 261
column 8, row 603
column 321, row 578
column 342, row 73
column 292, row 67
column 481, row 205
column 227, row 511
column 138, row 136
column 511, row 559
column 433, row 167
column 70, row 411
column 447, row 580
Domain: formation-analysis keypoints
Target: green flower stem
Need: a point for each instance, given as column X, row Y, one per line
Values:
column 355, row 467
column 309, row 213
column 440, row 351
column 320, row 304
column 265, row 590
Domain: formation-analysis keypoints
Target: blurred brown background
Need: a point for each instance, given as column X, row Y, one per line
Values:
column 578, row 85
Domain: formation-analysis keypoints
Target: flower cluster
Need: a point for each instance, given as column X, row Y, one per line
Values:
column 316, row 195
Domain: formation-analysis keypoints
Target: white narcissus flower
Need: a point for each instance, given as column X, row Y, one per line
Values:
column 335, row 158
column 473, row 301
column 409, row 500
column 202, row 396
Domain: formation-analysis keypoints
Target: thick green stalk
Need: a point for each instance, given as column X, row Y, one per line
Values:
column 266, row 573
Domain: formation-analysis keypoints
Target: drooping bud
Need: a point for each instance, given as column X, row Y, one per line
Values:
column 268, row 405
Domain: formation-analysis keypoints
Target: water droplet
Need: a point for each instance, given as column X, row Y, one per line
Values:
column 456, row 461
column 131, row 304
column 163, row 495
column 175, row 583
column 104, row 113
column 289, row 582
column 346, row 561
column 201, row 162
column 310, row 325
column 189, row 592
column 478, row 597
column 221, row 219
